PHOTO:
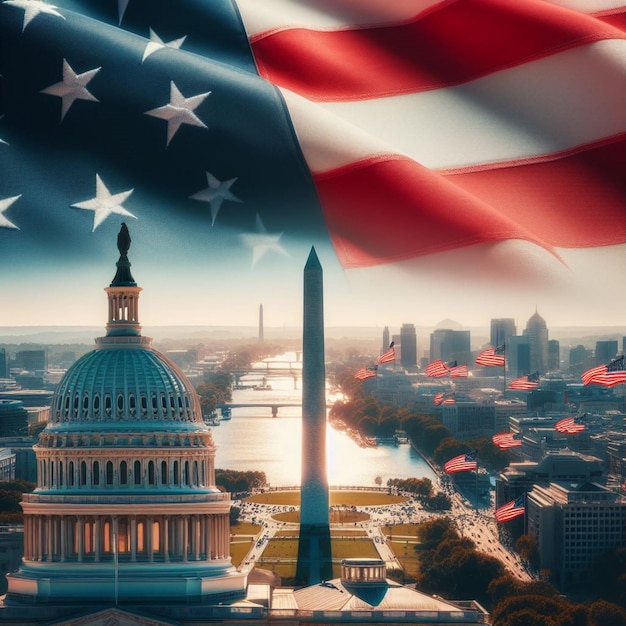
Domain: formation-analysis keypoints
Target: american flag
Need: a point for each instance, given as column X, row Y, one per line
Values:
column 525, row 383
column 366, row 372
column 614, row 373
column 389, row 356
column 570, row 425
column 437, row 369
column 511, row 509
column 506, row 440
column 458, row 371
column 483, row 131
column 461, row 463
column 491, row 357
column 444, row 397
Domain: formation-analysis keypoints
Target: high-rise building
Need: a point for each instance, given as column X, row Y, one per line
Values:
column 31, row 360
column 386, row 341
column 554, row 355
column 408, row 343
column 606, row 351
column 501, row 330
column 536, row 332
column 450, row 345
column 4, row 364
column 580, row 359
column 126, row 507
column 518, row 356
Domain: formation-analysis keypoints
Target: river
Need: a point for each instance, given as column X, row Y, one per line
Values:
column 254, row 440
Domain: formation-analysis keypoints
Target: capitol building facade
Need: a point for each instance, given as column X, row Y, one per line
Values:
column 126, row 508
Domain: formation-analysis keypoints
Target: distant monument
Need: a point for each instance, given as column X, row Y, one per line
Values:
column 314, row 553
column 260, row 323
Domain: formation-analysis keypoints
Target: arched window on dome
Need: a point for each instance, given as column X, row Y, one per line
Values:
column 95, row 474
column 196, row 478
column 151, row 480
column 137, row 472
column 61, row 474
column 144, row 404
column 132, row 404
column 163, row 473
column 203, row 480
column 186, row 473
column 107, row 405
column 83, row 473
column 109, row 472
column 175, row 473
column 52, row 474
column 123, row 473
column 70, row 474
column 66, row 409
column 120, row 404
column 86, row 405
column 96, row 405
column 75, row 406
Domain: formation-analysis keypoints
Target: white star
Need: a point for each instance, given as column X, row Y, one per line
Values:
column 104, row 204
column 72, row 87
column 215, row 194
column 4, row 205
column 179, row 111
column 32, row 8
column 262, row 242
column 156, row 43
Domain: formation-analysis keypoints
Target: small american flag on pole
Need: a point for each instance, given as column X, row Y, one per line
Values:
column 462, row 463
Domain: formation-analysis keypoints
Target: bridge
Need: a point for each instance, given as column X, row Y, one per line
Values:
column 226, row 407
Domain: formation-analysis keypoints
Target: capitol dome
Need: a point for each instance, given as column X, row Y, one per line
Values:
column 126, row 508
column 124, row 388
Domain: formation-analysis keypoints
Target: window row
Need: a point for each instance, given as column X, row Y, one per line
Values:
column 99, row 440
column 55, row 474
column 124, row 405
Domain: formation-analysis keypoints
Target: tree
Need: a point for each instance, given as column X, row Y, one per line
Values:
column 527, row 547
column 602, row 613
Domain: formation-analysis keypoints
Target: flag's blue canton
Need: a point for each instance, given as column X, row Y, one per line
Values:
column 53, row 161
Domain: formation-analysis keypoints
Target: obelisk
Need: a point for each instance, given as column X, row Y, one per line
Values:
column 260, row 323
column 314, row 554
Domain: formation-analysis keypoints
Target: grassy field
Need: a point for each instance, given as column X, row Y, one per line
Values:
column 337, row 498
column 336, row 517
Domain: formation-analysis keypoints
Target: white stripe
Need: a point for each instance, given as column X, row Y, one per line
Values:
column 585, row 6
column 260, row 16
column 539, row 108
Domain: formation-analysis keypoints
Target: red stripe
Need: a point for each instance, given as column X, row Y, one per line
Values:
column 576, row 201
column 471, row 38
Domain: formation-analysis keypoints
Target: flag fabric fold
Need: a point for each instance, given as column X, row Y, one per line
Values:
column 570, row 425
column 491, row 357
column 366, row 372
column 444, row 397
column 458, row 371
column 206, row 123
column 462, row 463
column 506, row 440
column 609, row 375
column 389, row 356
column 437, row 369
column 525, row 383
column 511, row 510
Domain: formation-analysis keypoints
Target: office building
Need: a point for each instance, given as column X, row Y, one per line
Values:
column 386, row 341
column 450, row 345
column 580, row 360
column 573, row 523
column 554, row 355
column 469, row 420
column 606, row 351
column 536, row 332
column 501, row 330
column 4, row 363
column 31, row 360
column 408, row 343
column 518, row 356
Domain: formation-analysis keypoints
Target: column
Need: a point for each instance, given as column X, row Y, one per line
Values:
column 133, row 538
column 166, row 538
column 98, row 539
column 63, row 538
column 149, row 539
column 185, row 536
column 80, row 532
column 207, row 537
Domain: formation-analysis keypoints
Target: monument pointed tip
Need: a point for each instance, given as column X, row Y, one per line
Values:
column 313, row 263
